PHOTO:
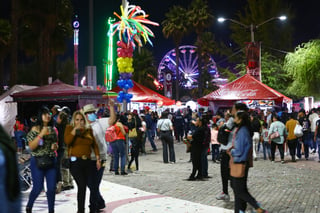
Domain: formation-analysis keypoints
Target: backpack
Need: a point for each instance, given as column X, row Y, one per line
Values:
column 111, row 134
column 223, row 134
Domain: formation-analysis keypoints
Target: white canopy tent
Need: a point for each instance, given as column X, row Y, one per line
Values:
column 8, row 109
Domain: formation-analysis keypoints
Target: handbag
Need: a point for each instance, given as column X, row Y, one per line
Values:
column 133, row 133
column 237, row 170
column 45, row 162
column 274, row 135
column 298, row 130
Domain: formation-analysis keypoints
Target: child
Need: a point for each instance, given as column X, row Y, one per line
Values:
column 214, row 143
column 265, row 141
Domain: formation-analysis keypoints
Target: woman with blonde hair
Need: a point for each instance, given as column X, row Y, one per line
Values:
column 79, row 138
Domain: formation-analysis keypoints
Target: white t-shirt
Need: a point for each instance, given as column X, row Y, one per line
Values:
column 99, row 128
column 164, row 124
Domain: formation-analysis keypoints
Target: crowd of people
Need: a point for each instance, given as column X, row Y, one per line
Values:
column 69, row 147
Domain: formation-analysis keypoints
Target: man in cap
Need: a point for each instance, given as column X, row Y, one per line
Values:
column 99, row 127
column 55, row 112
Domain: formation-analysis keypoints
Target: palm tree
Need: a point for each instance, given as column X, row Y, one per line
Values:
column 176, row 26
column 49, row 25
column 144, row 65
column 274, row 34
column 201, row 18
column 205, row 46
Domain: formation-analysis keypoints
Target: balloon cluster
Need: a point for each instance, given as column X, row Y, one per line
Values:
column 124, row 96
column 131, row 26
column 125, row 68
column 132, row 30
column 124, row 60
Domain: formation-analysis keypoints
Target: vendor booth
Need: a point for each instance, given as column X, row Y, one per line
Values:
column 247, row 89
column 58, row 93
column 144, row 95
column 8, row 108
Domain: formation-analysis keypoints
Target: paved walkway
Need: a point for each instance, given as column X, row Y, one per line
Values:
column 159, row 187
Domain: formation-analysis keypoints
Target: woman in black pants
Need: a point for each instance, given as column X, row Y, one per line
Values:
column 165, row 127
column 197, row 139
column 241, row 153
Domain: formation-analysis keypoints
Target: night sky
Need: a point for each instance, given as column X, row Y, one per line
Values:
column 306, row 23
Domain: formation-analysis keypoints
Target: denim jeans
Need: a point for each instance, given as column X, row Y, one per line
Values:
column 266, row 150
column 119, row 152
column 150, row 133
column 215, row 151
column 38, row 176
column 306, row 139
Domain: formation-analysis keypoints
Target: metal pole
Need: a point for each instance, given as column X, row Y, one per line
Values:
column 252, row 32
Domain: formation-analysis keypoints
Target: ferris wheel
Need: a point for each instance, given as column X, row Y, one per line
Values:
column 188, row 67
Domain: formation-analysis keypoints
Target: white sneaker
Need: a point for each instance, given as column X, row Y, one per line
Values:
column 223, row 196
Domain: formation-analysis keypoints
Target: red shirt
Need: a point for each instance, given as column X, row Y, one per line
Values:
column 120, row 136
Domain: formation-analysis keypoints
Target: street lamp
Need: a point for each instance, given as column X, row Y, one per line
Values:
column 253, row 52
column 251, row 26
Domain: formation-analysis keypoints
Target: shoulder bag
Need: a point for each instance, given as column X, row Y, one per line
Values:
column 133, row 132
column 298, row 130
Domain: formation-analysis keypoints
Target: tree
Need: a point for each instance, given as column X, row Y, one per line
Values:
column 304, row 66
column 200, row 18
column 206, row 47
column 49, row 25
column 144, row 65
column 272, row 72
column 275, row 34
column 176, row 26
column 5, row 40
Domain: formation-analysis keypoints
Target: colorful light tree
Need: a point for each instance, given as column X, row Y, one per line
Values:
column 132, row 32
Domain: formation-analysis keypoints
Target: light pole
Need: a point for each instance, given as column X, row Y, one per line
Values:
column 253, row 49
column 252, row 27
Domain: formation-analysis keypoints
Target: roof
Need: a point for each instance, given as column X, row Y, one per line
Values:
column 56, row 91
column 15, row 89
column 244, row 88
column 143, row 94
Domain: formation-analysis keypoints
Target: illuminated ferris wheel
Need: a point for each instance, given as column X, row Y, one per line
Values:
column 188, row 67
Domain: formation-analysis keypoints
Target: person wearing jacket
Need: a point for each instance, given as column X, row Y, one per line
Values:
column 241, row 152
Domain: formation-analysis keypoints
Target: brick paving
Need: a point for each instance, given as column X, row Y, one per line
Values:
column 280, row 188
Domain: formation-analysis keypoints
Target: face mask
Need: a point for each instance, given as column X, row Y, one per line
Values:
column 92, row 117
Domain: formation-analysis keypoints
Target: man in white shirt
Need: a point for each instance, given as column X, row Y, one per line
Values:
column 99, row 127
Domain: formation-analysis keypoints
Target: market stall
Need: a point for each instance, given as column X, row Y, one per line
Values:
column 247, row 89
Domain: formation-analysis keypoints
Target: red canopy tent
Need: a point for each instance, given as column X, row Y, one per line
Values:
column 244, row 88
column 143, row 94
column 59, row 93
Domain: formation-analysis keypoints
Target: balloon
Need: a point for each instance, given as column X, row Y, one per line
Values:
column 126, row 86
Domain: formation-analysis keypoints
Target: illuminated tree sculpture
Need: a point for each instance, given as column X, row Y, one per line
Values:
column 132, row 32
